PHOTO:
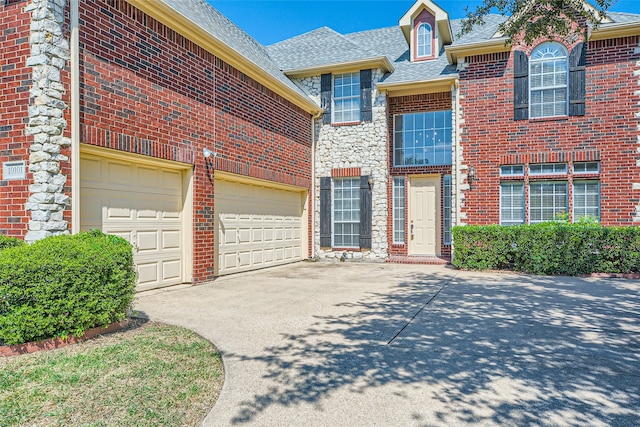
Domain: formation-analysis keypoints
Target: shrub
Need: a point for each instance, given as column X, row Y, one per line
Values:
column 10, row 242
column 64, row 285
column 549, row 248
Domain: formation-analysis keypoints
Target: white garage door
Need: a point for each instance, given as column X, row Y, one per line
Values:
column 142, row 203
column 258, row 226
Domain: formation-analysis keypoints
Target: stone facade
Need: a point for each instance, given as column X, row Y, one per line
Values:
column 362, row 146
column 49, row 55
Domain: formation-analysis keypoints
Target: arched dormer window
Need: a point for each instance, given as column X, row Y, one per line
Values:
column 548, row 80
column 424, row 40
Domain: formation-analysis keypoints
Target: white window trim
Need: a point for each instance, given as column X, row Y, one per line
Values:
column 333, row 211
column 418, row 39
column 334, row 98
column 563, row 172
column 395, row 159
column 543, row 88
column 566, row 197
column 578, row 181
column 395, row 207
column 586, row 172
column 513, row 184
column 512, row 173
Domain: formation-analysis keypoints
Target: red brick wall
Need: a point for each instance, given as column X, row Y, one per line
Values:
column 608, row 131
column 14, row 102
column 405, row 105
column 148, row 90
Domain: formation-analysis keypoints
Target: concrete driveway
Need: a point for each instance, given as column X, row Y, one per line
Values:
column 346, row 344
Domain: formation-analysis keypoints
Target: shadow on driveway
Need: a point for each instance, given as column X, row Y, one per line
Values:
column 466, row 349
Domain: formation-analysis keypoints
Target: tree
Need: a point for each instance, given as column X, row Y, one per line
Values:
column 529, row 20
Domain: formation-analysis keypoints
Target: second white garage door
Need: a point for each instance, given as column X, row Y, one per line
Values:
column 258, row 225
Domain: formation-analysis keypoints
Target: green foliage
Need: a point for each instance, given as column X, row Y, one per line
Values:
column 10, row 242
column 64, row 285
column 549, row 248
column 530, row 20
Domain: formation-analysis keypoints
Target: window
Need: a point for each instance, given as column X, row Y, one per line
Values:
column 424, row 40
column 547, row 201
column 548, row 81
column 512, row 170
column 346, row 98
column 399, row 210
column 511, row 203
column 422, row 139
column 586, row 167
column 446, row 208
column 548, row 169
column 586, row 199
column 346, row 213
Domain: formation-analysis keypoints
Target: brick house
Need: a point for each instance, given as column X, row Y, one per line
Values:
column 470, row 131
column 165, row 123
column 109, row 111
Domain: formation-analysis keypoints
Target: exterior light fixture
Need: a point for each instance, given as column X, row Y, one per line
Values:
column 472, row 174
column 208, row 153
column 370, row 180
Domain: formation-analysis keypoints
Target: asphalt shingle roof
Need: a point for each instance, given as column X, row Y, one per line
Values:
column 220, row 27
column 323, row 46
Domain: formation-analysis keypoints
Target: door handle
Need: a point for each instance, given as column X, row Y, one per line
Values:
column 411, row 229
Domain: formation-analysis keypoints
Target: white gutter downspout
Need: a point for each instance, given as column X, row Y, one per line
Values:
column 312, row 202
column 74, row 16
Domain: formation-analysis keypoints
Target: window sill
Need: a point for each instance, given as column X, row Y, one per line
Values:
column 549, row 119
column 346, row 249
column 337, row 125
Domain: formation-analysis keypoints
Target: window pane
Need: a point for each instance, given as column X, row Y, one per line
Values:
column 346, row 212
column 511, row 203
column 423, row 139
column 548, row 77
column 399, row 210
column 346, row 98
column 586, row 199
column 446, row 207
column 547, row 201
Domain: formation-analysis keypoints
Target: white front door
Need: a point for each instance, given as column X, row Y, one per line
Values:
column 424, row 216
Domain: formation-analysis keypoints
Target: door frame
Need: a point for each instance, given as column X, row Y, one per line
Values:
column 437, row 180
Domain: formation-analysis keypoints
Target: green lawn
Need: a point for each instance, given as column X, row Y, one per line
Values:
column 149, row 374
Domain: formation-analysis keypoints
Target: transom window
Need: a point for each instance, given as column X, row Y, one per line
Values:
column 346, row 213
column 512, row 170
column 547, row 201
column 548, row 78
column 548, row 169
column 423, row 139
column 424, row 40
column 399, row 210
column 346, row 98
column 586, row 167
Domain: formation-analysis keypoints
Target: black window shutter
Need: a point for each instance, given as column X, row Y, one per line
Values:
column 577, row 80
column 365, row 213
column 325, row 97
column 365, row 96
column 520, row 86
column 325, row 212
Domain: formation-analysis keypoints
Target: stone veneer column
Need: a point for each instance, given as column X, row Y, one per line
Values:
column 461, row 185
column 49, row 54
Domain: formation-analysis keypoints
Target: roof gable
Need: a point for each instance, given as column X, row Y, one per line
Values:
column 442, row 20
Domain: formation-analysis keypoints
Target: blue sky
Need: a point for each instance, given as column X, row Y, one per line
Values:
column 270, row 21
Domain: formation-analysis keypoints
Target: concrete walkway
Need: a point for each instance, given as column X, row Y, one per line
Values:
column 345, row 344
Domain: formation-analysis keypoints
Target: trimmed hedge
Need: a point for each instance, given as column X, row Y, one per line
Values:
column 64, row 285
column 548, row 248
column 10, row 242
